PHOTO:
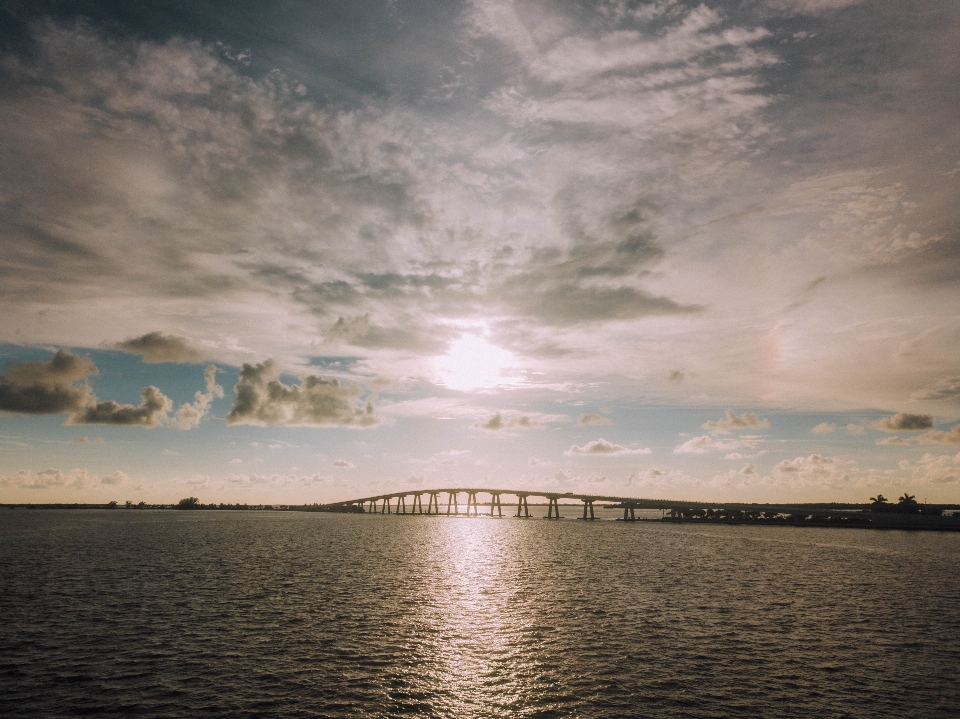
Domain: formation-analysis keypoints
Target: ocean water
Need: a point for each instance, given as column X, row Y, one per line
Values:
column 272, row 614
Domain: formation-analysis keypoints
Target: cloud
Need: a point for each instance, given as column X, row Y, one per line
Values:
column 934, row 436
column 189, row 415
column 344, row 463
column 47, row 387
column 263, row 399
column 87, row 440
column 156, row 347
column 497, row 422
column 825, row 428
column 602, row 447
column 936, row 469
column 856, row 429
column 946, row 389
column 811, row 7
column 593, row 419
column 675, row 377
column 903, row 422
column 705, row 444
column 811, row 463
column 117, row 478
column 152, row 411
column 50, row 479
column 746, row 420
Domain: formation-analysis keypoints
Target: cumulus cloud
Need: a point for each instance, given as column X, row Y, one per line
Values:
column 156, row 347
column 263, row 399
column 47, row 387
column 497, row 422
column 152, row 411
column 747, row 420
column 935, row 469
column 705, row 444
column 903, row 422
column 117, row 478
column 825, row 428
column 593, row 419
column 934, row 436
column 50, row 479
column 189, row 415
column 344, row 464
column 602, row 447
column 811, row 463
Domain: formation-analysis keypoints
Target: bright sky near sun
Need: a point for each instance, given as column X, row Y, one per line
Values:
column 655, row 249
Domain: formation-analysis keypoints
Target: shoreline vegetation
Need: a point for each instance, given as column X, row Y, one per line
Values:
column 880, row 513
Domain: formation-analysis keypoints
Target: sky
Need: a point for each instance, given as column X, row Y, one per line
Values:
column 304, row 252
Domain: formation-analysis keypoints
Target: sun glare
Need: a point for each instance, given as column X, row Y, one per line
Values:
column 473, row 363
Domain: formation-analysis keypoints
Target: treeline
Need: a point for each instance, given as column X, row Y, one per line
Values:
column 907, row 504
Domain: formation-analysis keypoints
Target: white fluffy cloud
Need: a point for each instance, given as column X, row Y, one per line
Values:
column 747, row 420
column 263, row 399
column 705, row 444
column 602, row 447
column 189, row 415
column 156, row 347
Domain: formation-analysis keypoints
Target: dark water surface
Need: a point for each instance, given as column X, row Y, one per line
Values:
column 233, row 614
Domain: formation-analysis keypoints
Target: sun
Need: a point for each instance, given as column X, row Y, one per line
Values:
column 472, row 363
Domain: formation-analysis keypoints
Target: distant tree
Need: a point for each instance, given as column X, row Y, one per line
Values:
column 141, row 504
column 879, row 500
column 188, row 503
column 129, row 504
column 908, row 503
column 112, row 504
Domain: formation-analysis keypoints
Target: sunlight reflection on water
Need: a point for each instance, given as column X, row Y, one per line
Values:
column 158, row 614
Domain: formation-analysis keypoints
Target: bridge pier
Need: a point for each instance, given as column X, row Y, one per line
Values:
column 632, row 516
column 434, row 502
column 522, row 505
column 588, row 503
column 402, row 502
column 452, row 497
column 472, row 502
column 417, row 504
column 554, row 506
column 495, row 502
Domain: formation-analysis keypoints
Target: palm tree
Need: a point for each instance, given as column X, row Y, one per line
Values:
column 907, row 501
column 879, row 500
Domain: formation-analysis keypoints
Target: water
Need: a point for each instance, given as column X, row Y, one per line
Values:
column 234, row 614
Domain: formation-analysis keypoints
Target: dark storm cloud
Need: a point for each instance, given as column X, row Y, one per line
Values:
column 156, row 347
column 152, row 411
column 263, row 399
column 904, row 422
column 47, row 387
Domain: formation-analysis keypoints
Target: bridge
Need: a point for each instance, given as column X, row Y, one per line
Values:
column 382, row 503
column 397, row 503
